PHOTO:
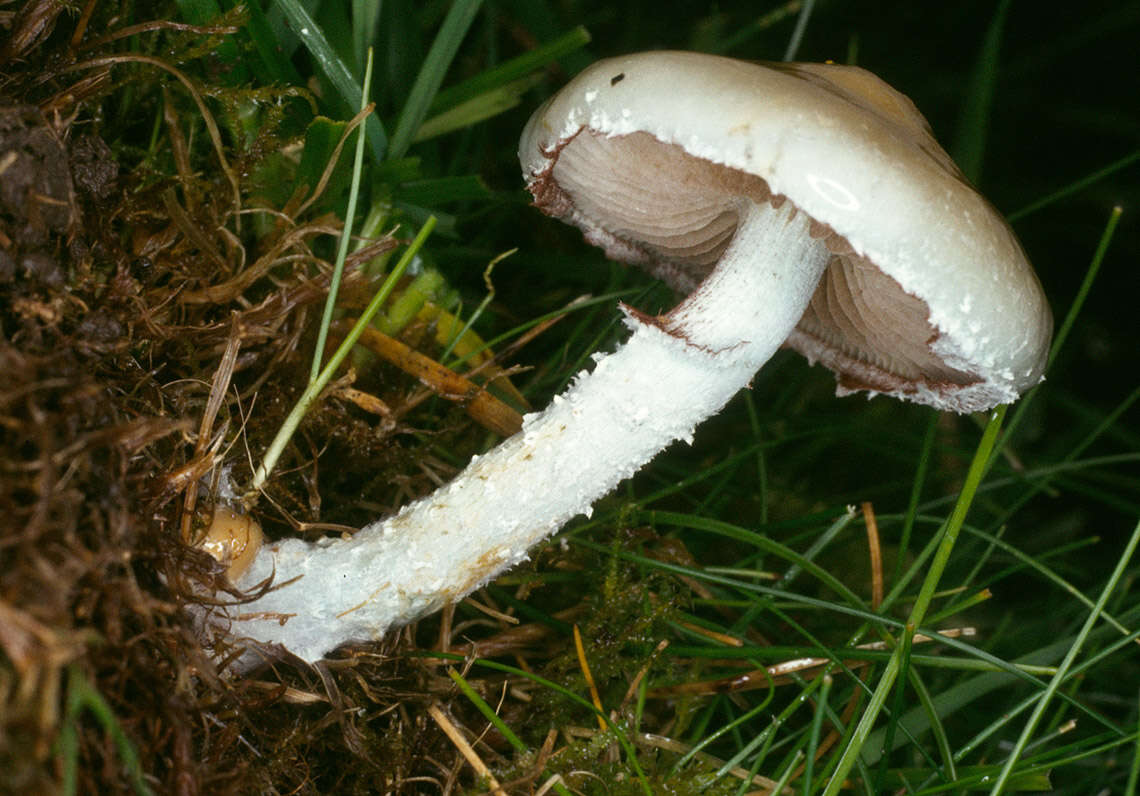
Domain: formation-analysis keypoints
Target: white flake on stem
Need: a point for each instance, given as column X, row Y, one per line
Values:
column 674, row 372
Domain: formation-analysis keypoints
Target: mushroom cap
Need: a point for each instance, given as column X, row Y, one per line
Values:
column 928, row 296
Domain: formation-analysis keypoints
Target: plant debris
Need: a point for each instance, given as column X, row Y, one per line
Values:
column 155, row 313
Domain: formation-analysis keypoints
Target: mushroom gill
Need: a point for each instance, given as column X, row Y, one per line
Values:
column 673, row 214
column 653, row 204
column 872, row 333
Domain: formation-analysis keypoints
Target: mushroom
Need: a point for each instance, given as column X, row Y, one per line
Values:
column 798, row 204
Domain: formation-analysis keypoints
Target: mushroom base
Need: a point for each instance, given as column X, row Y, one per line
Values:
column 675, row 370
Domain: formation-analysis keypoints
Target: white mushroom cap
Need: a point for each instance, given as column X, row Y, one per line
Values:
column 928, row 297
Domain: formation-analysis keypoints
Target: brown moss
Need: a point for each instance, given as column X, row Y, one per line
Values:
column 154, row 336
column 131, row 295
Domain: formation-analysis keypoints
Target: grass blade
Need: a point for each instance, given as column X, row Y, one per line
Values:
column 333, row 68
column 1074, row 187
column 512, row 70
column 493, row 717
column 431, row 74
column 278, row 67
column 1067, row 663
column 922, row 603
column 309, row 396
column 1062, row 334
column 1086, row 284
column 365, row 17
column 974, row 124
column 346, row 233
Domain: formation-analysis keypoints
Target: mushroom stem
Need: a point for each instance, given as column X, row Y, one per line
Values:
column 675, row 370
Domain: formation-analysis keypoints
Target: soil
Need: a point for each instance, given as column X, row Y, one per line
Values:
column 110, row 448
column 142, row 316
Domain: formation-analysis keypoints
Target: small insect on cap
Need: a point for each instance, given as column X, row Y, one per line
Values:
column 927, row 296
